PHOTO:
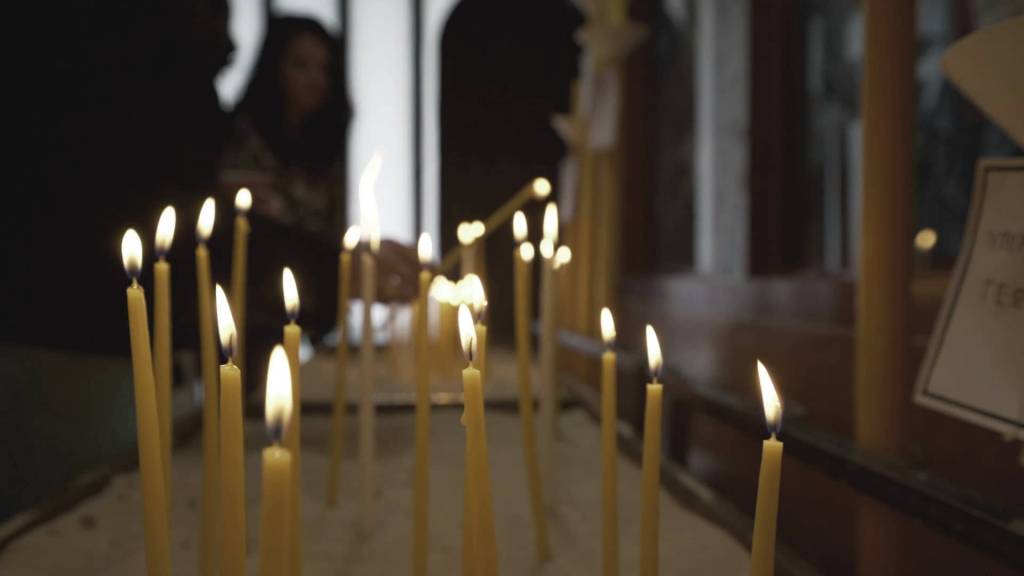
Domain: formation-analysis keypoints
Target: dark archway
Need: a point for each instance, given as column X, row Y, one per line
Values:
column 506, row 68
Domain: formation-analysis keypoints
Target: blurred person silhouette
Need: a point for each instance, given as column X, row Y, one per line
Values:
column 289, row 148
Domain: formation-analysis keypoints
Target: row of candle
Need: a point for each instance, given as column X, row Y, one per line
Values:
column 230, row 383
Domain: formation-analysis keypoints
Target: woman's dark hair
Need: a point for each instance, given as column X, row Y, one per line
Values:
column 321, row 139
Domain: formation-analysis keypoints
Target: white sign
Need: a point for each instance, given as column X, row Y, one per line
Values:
column 974, row 368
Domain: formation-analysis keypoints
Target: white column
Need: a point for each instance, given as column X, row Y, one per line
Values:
column 380, row 83
column 722, row 111
column 435, row 17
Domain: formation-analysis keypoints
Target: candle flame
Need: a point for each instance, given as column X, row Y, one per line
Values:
column 369, row 217
column 425, row 249
column 519, row 229
column 925, row 239
column 225, row 323
column 551, row 222
column 526, row 252
column 165, row 231
column 607, row 327
column 465, row 233
column 278, row 405
column 467, row 333
column 351, row 238
column 207, row 215
column 770, row 399
column 478, row 229
column 291, row 294
column 653, row 353
column 547, row 249
column 442, row 290
column 562, row 256
column 243, row 201
column 473, row 295
column 541, row 188
column 131, row 253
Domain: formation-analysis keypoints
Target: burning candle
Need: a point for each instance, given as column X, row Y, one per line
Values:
column 239, row 267
column 548, row 346
column 370, row 226
column 275, row 517
column 293, row 434
column 522, row 257
column 348, row 242
column 478, row 487
column 163, row 367
column 209, row 537
column 651, row 467
column 154, row 501
column 762, row 552
column 421, row 490
column 232, row 447
column 609, row 449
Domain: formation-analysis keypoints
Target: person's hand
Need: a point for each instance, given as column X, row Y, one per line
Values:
column 398, row 270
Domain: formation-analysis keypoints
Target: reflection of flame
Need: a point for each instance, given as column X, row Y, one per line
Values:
column 207, row 214
column 467, row 333
column 607, row 327
column 770, row 399
column 225, row 323
column 278, row 405
column 291, row 293
column 653, row 353
column 165, row 231
column 526, row 252
column 425, row 249
column 551, row 222
column 131, row 253
column 351, row 238
column 541, row 188
column 243, row 201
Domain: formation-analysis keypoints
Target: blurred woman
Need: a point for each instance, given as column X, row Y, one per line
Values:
column 288, row 148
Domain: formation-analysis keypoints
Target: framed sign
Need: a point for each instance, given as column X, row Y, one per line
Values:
column 974, row 367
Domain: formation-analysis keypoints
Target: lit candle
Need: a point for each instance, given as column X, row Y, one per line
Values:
column 536, row 189
column 548, row 345
column 209, row 537
column 478, row 488
column 232, row 447
column 370, row 227
column 154, row 501
column 651, row 472
column 349, row 242
column 523, row 256
column 163, row 367
column 293, row 434
column 609, row 450
column 239, row 266
column 762, row 552
column 421, row 494
column 275, row 517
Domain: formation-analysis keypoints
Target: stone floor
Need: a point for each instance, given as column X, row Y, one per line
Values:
column 103, row 534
